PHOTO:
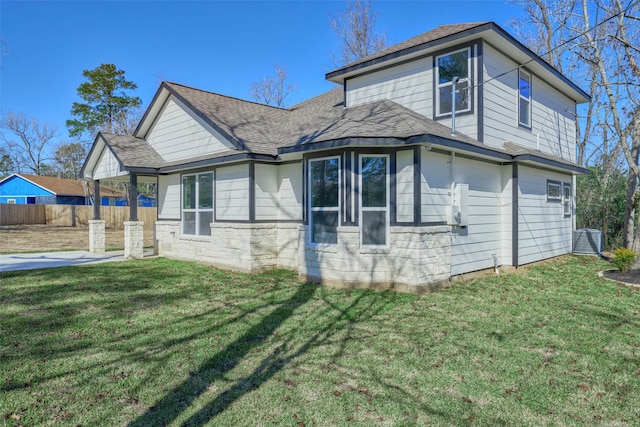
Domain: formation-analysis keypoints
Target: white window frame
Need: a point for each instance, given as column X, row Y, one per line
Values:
column 11, row 201
column 553, row 198
column 386, row 209
column 441, row 85
column 313, row 209
column 529, row 76
column 197, row 210
column 566, row 199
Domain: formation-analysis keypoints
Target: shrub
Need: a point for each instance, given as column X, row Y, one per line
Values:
column 624, row 258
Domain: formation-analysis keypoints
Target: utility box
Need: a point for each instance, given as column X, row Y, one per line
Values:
column 460, row 205
column 587, row 241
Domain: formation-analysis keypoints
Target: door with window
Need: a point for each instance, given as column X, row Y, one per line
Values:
column 374, row 200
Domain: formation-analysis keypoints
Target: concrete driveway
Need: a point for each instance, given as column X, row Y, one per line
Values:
column 56, row 259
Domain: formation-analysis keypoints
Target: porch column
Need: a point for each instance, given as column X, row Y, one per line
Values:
column 97, row 240
column 133, row 229
column 96, row 200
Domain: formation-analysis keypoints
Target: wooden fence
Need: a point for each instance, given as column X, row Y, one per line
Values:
column 72, row 216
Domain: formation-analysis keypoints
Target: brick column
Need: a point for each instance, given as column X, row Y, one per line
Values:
column 96, row 236
column 133, row 239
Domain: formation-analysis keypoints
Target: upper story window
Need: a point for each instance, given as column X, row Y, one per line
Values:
column 524, row 99
column 454, row 64
column 324, row 200
column 197, row 204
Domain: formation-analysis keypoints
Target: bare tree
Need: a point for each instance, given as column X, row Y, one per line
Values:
column 357, row 35
column 30, row 148
column 596, row 41
column 69, row 158
column 272, row 90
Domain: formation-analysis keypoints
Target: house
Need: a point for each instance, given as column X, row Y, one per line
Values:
column 23, row 189
column 385, row 181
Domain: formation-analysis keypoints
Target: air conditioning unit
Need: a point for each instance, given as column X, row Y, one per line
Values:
column 587, row 241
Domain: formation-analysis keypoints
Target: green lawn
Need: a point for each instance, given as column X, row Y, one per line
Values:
column 161, row 342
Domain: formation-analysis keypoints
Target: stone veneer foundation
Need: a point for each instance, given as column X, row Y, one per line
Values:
column 418, row 258
column 133, row 239
column 97, row 237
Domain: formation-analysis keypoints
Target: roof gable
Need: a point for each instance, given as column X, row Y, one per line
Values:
column 450, row 35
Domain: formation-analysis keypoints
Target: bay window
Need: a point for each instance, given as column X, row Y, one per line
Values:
column 374, row 200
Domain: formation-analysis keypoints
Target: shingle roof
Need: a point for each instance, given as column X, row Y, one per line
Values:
column 415, row 42
column 68, row 187
column 133, row 152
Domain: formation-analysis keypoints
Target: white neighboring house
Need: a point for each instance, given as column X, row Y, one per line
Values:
column 365, row 185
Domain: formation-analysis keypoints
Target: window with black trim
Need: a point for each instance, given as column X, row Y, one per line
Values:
column 197, row 204
column 566, row 199
column 448, row 66
column 524, row 99
column 554, row 189
column 324, row 200
column 374, row 200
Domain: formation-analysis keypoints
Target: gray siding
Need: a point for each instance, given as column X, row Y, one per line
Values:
column 435, row 187
column 169, row 196
column 543, row 231
column 552, row 113
column 232, row 193
column 409, row 84
column 473, row 247
column 404, row 186
column 107, row 167
column 178, row 134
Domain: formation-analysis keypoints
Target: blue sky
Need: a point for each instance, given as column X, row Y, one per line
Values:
column 218, row 46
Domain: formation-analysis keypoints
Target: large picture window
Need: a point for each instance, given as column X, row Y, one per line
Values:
column 524, row 99
column 197, row 204
column 374, row 200
column 455, row 64
column 324, row 190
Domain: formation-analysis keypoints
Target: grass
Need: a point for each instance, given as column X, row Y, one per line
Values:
column 161, row 342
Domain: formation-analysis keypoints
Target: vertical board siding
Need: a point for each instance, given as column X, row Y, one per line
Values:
column 169, row 196
column 543, row 231
column 435, row 187
column 232, row 193
column 177, row 134
column 404, row 186
column 409, row 84
column 107, row 166
column 266, row 181
column 552, row 117
column 473, row 247
column 290, row 191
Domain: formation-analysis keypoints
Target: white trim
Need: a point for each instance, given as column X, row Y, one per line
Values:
column 12, row 201
column 528, row 77
column 197, row 210
column 312, row 209
column 386, row 209
column 439, row 85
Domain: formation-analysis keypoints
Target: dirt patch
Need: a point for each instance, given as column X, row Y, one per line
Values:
column 632, row 276
column 44, row 238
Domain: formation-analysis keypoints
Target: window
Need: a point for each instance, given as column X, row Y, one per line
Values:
column 524, row 99
column 197, row 204
column 374, row 200
column 553, row 191
column 455, row 64
column 324, row 200
column 566, row 199
column 11, row 201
